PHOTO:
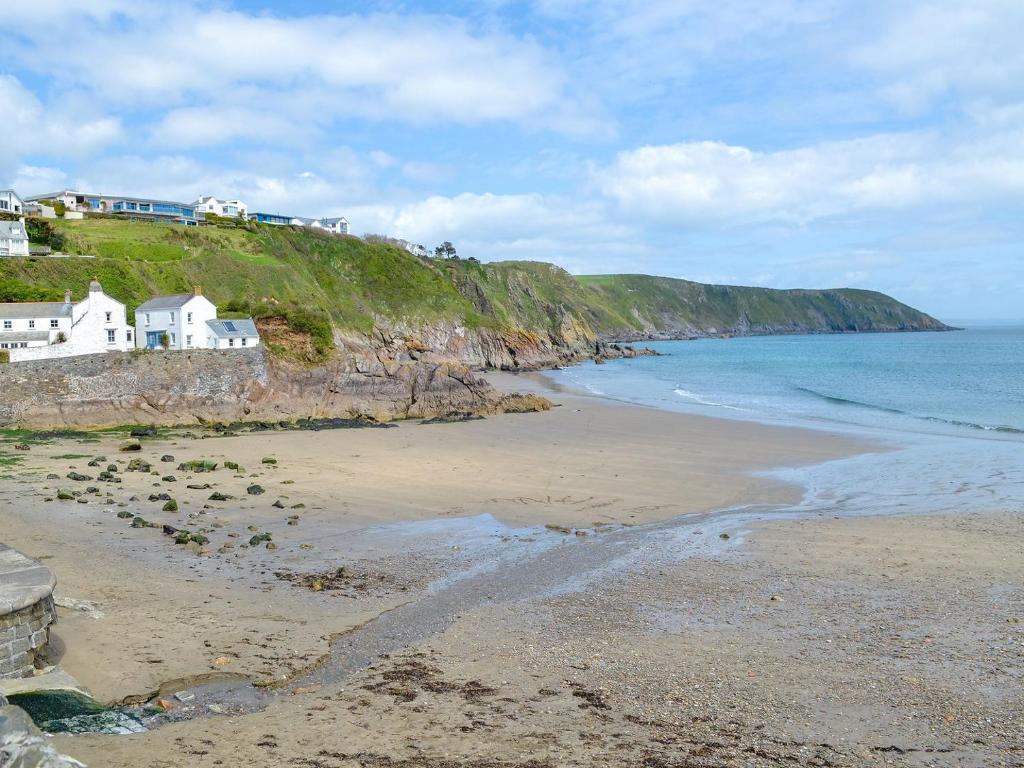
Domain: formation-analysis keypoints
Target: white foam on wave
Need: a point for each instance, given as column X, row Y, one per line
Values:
column 693, row 396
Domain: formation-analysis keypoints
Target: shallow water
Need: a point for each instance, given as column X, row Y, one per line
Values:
column 948, row 406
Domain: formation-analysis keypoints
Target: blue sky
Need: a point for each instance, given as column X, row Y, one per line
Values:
column 786, row 143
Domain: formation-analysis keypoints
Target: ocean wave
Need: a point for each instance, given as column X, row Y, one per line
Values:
column 693, row 396
column 845, row 401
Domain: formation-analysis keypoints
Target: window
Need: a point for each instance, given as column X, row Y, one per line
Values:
column 173, row 340
column 109, row 314
column 243, row 341
column 31, row 325
column 111, row 336
column 147, row 318
column 128, row 335
column 7, row 325
column 231, row 342
column 55, row 323
column 188, row 341
column 189, row 318
column 172, row 318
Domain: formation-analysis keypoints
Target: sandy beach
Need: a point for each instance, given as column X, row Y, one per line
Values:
column 560, row 589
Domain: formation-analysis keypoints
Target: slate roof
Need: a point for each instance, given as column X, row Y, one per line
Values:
column 34, row 309
column 334, row 220
column 176, row 301
column 7, row 336
column 233, row 329
column 13, row 230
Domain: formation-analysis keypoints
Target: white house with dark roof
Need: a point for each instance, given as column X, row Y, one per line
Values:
column 337, row 226
column 13, row 238
column 174, row 322
column 10, row 202
column 232, row 334
column 189, row 321
column 44, row 330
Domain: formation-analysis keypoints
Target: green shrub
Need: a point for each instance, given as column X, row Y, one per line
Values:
column 5, row 356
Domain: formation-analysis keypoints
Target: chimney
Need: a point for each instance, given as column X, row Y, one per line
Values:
column 94, row 286
column 67, row 296
column 197, row 290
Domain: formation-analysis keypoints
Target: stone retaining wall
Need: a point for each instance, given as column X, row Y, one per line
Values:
column 26, row 612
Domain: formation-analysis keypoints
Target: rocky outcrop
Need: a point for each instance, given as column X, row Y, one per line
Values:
column 505, row 349
column 361, row 381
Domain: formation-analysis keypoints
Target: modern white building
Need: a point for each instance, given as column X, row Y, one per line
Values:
column 13, row 238
column 44, row 330
column 174, row 322
column 232, row 334
column 189, row 321
column 133, row 208
column 232, row 209
column 10, row 202
column 302, row 221
column 337, row 226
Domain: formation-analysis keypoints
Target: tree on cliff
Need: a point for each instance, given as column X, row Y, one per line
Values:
column 446, row 251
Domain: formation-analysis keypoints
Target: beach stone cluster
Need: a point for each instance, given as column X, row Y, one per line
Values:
column 26, row 612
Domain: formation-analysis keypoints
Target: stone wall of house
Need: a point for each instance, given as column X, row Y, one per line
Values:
column 26, row 612
column 180, row 388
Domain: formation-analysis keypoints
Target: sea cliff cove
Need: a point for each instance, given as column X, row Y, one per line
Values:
column 511, row 385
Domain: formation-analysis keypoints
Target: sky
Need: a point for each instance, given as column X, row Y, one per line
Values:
column 782, row 143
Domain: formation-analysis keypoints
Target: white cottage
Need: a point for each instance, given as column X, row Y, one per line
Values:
column 189, row 321
column 232, row 334
column 45, row 330
column 338, row 226
column 10, row 202
column 174, row 322
column 13, row 238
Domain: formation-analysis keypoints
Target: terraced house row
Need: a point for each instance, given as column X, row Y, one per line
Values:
column 99, row 323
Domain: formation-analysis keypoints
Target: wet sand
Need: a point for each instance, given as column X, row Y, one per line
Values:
column 632, row 640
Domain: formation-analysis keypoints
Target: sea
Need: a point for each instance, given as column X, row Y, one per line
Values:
column 946, row 409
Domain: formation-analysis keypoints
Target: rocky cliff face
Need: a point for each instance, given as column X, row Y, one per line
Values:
column 512, row 348
column 249, row 385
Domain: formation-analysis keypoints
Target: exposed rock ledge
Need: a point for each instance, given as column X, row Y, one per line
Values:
column 145, row 387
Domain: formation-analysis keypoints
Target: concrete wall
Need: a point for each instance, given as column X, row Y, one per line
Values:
column 128, row 388
column 26, row 612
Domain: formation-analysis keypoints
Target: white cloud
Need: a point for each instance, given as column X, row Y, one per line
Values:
column 576, row 234
column 213, row 126
column 925, row 49
column 30, row 128
column 712, row 179
column 428, row 69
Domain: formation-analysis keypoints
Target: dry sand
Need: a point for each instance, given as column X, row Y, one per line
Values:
column 890, row 641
